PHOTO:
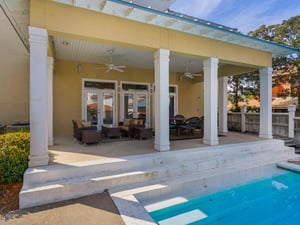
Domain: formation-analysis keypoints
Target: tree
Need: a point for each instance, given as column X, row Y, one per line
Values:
column 286, row 69
column 243, row 87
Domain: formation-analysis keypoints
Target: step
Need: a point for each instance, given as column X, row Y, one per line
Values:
column 60, row 182
column 78, row 187
column 46, row 174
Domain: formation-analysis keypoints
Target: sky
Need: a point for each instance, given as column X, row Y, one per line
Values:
column 245, row 15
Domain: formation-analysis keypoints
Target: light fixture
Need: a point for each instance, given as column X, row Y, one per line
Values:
column 79, row 68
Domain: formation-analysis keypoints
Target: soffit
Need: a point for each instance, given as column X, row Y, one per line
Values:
column 91, row 52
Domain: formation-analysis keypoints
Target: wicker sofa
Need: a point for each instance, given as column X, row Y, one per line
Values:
column 128, row 126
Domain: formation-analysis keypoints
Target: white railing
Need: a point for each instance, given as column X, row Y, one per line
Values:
column 282, row 123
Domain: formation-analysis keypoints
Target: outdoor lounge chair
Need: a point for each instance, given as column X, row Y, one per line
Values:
column 78, row 133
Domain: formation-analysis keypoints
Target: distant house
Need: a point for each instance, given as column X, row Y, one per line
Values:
column 282, row 86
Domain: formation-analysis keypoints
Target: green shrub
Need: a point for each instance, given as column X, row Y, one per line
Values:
column 14, row 152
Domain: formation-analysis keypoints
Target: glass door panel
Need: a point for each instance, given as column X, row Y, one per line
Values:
column 92, row 107
column 99, row 107
column 128, row 105
column 141, row 105
column 135, row 105
column 107, row 108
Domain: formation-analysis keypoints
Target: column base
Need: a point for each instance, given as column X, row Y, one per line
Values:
column 266, row 136
column 35, row 161
column 162, row 148
column 210, row 142
column 222, row 131
column 50, row 142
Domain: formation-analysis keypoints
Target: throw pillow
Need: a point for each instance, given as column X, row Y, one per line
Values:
column 86, row 124
column 126, row 122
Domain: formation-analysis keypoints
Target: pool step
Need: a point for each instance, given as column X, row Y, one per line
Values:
column 60, row 182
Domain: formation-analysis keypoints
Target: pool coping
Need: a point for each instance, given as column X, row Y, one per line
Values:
column 292, row 165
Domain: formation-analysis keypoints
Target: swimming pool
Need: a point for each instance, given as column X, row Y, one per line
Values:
column 272, row 201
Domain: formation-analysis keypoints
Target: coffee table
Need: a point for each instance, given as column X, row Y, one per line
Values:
column 111, row 131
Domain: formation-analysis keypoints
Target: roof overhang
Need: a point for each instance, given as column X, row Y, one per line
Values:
column 175, row 21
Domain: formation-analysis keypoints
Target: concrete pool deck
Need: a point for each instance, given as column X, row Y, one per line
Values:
column 89, row 210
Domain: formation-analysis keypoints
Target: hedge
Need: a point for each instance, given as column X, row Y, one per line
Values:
column 14, row 152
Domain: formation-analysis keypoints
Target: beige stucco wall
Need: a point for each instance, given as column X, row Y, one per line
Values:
column 14, row 86
column 14, row 75
column 67, row 92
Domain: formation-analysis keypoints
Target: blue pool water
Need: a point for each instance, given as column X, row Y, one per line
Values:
column 274, row 201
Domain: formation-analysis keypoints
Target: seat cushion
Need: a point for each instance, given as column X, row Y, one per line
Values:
column 126, row 128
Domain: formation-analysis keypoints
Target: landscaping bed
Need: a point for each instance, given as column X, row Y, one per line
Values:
column 9, row 197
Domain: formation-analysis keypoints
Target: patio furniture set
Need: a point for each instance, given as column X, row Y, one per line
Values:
column 186, row 126
column 87, row 133
column 135, row 128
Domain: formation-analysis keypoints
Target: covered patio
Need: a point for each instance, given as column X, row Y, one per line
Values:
column 64, row 78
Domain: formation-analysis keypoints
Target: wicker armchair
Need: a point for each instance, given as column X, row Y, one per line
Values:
column 78, row 133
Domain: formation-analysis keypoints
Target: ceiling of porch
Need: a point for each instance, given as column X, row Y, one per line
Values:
column 90, row 52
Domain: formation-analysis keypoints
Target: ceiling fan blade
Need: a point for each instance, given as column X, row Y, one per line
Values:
column 108, row 69
column 197, row 74
column 189, row 76
column 120, row 67
column 117, row 69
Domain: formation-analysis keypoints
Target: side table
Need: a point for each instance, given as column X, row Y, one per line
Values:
column 141, row 133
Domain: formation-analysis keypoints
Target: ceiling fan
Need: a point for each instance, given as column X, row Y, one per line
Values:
column 188, row 74
column 110, row 66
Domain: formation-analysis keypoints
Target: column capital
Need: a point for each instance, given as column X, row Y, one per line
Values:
column 265, row 70
column 160, row 53
column 38, row 35
column 210, row 61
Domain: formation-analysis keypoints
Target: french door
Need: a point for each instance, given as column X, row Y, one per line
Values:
column 99, row 107
column 135, row 104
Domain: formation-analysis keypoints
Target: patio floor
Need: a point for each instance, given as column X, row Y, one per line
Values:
column 66, row 150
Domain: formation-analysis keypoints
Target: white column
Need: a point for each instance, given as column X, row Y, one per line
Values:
column 222, row 104
column 161, row 67
column 265, row 125
column 38, row 97
column 50, row 101
column 210, row 67
column 292, row 110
